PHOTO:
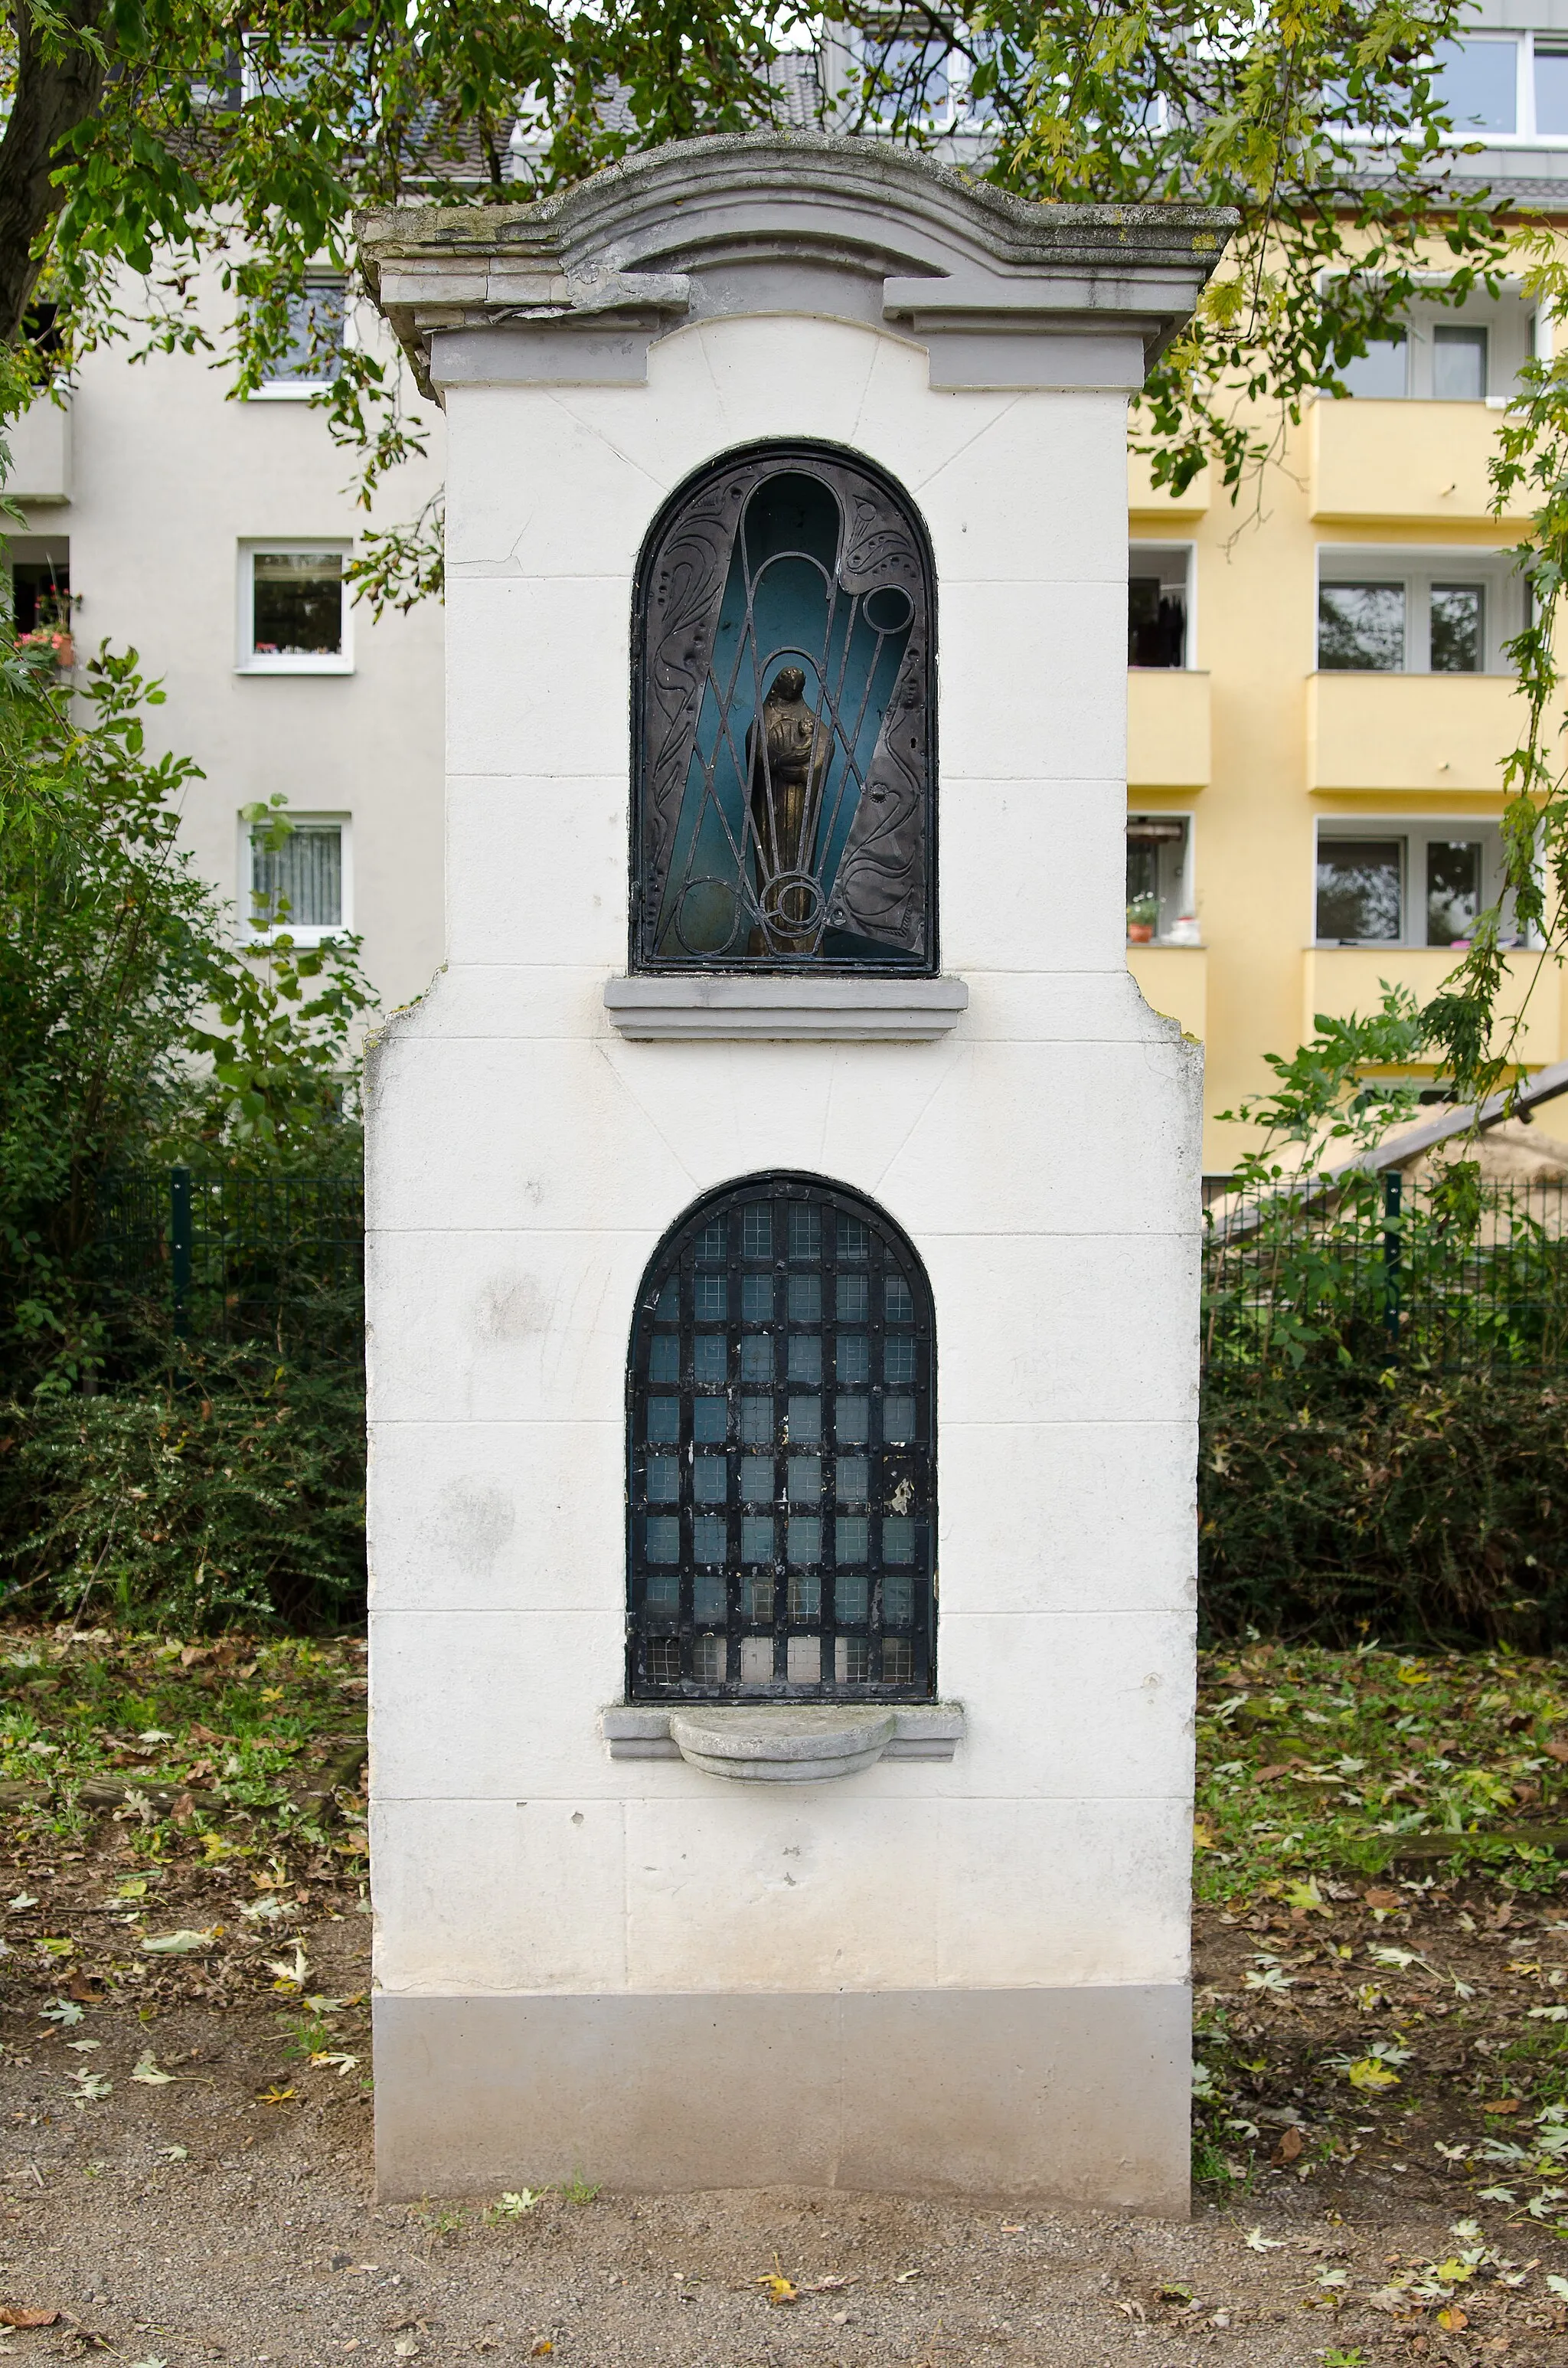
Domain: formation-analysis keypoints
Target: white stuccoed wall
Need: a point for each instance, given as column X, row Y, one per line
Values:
column 526, row 1161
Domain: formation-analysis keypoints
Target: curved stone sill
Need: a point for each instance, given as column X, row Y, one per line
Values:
column 782, row 1743
column 724, row 1004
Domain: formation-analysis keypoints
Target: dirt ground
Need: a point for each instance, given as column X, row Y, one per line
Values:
column 1381, row 2085
column 227, row 2211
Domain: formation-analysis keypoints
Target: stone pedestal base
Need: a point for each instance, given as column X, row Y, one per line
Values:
column 1082, row 2095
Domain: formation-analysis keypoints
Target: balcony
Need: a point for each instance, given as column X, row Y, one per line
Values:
column 1174, row 981
column 40, row 453
column 1152, row 501
column 1403, row 463
column 1167, row 728
column 1424, row 732
column 1338, row 980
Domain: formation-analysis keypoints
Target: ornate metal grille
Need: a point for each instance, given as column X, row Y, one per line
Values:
column 784, row 721
column 782, row 1456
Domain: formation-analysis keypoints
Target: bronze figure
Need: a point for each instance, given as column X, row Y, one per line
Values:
column 788, row 760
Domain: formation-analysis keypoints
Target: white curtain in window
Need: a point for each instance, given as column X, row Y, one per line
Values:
column 305, row 874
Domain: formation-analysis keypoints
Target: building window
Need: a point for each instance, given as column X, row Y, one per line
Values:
column 293, row 613
column 40, row 602
column 1441, row 612
column 298, row 877
column 1383, row 372
column 782, row 1454
column 1459, row 365
column 1421, row 884
column 1476, row 84
column 318, row 314
column 1159, row 881
column 1157, row 605
column 783, row 705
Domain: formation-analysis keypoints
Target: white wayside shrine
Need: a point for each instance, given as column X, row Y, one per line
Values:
column 783, row 1281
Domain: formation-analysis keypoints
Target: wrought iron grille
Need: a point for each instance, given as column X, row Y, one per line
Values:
column 784, row 721
column 782, row 1455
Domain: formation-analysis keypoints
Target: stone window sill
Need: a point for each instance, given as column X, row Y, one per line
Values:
column 722, row 1005
column 783, row 1743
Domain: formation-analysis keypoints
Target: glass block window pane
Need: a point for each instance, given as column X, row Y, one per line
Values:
column 710, row 1596
column 805, row 1299
column 805, row 1230
column 805, row 1537
column 708, row 1661
column 898, row 1421
column 854, row 1298
column 853, row 1533
column 757, row 1479
column 709, row 1479
column 805, row 1421
column 297, row 883
column 833, row 1496
column 854, row 1421
column 664, row 1480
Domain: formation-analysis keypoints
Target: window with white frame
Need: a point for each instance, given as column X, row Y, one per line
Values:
column 1416, row 612
column 1159, row 630
column 1159, row 879
column 1406, row 883
column 294, row 608
column 318, row 316
column 1506, row 87
column 299, row 876
column 1469, row 352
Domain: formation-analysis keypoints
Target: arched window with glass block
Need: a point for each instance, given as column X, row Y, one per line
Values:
column 782, row 1454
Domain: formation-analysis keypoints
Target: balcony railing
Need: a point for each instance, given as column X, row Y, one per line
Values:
column 1393, row 464
column 1432, row 732
column 1338, row 980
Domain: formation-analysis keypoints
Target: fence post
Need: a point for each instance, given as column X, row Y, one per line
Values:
column 180, row 1246
column 1391, row 1256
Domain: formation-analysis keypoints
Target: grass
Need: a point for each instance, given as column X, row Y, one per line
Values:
column 1318, row 1763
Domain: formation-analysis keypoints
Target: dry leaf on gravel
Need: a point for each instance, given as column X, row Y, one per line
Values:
column 778, row 2287
column 18, row 2314
column 147, row 2071
column 181, row 1945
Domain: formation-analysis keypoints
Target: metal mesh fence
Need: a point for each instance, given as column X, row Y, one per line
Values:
column 233, row 1258
column 1381, row 1269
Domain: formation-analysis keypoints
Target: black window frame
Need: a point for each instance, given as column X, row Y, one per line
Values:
column 699, row 503
column 892, row 1466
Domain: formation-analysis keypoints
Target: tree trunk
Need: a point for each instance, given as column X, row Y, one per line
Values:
column 58, row 87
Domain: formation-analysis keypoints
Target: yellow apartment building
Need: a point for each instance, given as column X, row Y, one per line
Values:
column 1318, row 701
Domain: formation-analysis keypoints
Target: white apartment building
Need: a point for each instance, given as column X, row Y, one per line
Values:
column 210, row 535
